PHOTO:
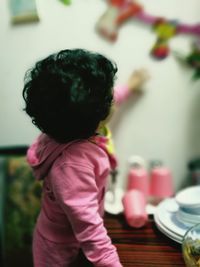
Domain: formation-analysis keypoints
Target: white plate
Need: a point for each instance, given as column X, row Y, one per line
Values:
column 166, row 231
column 189, row 197
column 167, row 222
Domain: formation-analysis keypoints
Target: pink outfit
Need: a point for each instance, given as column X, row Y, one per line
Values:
column 75, row 177
column 121, row 94
column 72, row 206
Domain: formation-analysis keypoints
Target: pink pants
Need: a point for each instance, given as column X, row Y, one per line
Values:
column 49, row 254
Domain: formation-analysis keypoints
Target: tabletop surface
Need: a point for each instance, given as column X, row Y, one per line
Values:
column 146, row 246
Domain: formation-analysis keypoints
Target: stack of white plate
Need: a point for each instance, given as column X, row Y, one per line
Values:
column 174, row 216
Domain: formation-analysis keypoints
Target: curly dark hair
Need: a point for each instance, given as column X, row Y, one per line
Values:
column 68, row 93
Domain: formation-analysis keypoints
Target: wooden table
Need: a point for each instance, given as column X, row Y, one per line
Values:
column 143, row 247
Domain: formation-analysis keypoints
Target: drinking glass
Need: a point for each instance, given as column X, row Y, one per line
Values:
column 191, row 246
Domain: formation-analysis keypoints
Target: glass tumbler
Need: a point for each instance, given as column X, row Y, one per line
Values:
column 191, row 246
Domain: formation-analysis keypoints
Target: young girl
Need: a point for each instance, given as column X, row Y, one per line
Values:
column 68, row 95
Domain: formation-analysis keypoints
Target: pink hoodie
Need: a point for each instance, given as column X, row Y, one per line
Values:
column 73, row 192
column 74, row 177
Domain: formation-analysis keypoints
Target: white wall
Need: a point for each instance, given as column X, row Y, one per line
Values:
column 163, row 124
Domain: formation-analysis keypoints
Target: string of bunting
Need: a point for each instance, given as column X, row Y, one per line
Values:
column 120, row 11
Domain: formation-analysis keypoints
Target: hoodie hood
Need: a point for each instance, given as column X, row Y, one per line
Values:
column 45, row 150
column 42, row 154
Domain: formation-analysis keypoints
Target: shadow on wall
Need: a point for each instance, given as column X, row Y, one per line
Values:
column 194, row 126
column 193, row 139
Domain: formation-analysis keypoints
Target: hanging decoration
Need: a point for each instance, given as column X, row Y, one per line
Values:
column 23, row 11
column 66, row 2
column 193, row 59
column 117, row 12
column 120, row 11
column 165, row 30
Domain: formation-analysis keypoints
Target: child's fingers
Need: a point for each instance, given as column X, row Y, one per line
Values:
column 142, row 74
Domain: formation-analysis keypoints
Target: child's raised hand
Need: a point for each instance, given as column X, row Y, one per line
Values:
column 137, row 79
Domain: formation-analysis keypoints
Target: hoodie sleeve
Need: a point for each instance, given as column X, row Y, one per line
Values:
column 121, row 94
column 76, row 191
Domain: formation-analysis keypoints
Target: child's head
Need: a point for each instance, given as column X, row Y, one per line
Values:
column 68, row 93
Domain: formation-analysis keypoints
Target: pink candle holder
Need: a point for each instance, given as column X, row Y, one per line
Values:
column 134, row 203
column 161, row 184
column 138, row 179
